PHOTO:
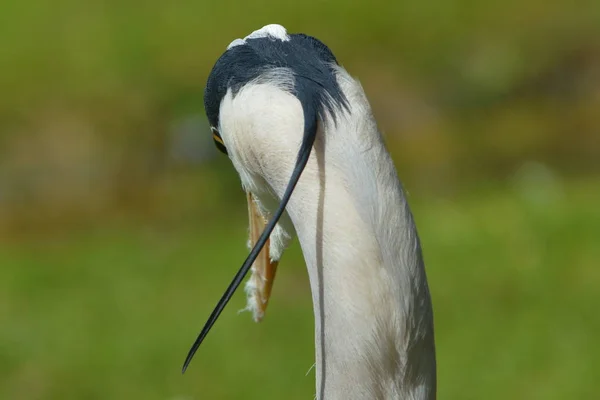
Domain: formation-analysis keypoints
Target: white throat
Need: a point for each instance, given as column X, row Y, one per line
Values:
column 373, row 315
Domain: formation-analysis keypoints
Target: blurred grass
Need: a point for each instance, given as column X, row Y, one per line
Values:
column 109, row 312
column 88, row 91
column 113, row 251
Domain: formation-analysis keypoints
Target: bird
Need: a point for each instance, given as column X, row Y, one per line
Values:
column 300, row 132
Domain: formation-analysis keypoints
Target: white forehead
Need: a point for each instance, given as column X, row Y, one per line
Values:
column 273, row 30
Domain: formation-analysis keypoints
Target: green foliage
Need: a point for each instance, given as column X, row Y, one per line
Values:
column 112, row 254
column 110, row 312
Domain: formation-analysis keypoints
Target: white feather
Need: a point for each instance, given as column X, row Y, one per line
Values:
column 274, row 31
column 373, row 314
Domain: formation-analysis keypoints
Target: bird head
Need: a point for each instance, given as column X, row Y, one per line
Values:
column 265, row 99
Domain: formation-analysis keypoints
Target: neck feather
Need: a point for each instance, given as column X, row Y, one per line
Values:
column 373, row 313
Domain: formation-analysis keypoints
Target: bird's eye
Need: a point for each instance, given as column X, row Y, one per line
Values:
column 218, row 140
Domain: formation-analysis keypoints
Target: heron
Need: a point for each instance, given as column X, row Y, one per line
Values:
column 300, row 132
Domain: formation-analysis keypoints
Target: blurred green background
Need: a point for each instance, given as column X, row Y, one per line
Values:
column 120, row 224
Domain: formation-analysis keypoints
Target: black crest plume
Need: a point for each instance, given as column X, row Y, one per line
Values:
column 312, row 67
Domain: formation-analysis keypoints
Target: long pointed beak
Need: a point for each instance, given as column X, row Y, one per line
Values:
column 264, row 268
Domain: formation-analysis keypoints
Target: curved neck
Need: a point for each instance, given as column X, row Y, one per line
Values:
column 373, row 313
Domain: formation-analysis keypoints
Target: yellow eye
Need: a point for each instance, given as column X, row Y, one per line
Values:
column 218, row 140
